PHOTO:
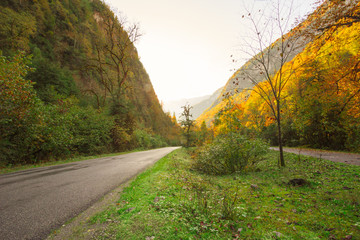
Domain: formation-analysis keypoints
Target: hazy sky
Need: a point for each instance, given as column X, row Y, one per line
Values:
column 186, row 44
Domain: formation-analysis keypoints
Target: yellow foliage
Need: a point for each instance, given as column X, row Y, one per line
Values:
column 327, row 71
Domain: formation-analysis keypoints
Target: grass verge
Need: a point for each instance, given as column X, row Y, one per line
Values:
column 170, row 201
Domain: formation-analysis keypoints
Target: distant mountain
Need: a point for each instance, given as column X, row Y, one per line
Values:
column 199, row 104
column 202, row 106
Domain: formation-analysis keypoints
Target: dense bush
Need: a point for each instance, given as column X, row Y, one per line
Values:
column 17, row 107
column 31, row 130
column 56, row 131
column 146, row 140
column 228, row 154
column 52, row 80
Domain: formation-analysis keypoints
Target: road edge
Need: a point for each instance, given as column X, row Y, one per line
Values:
column 75, row 227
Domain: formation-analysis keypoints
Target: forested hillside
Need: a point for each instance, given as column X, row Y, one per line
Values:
column 71, row 82
column 318, row 87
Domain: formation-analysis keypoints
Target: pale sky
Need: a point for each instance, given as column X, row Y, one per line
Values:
column 187, row 44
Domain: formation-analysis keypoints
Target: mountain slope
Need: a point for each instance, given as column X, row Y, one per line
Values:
column 240, row 81
column 307, row 30
column 318, row 105
column 84, row 66
column 200, row 107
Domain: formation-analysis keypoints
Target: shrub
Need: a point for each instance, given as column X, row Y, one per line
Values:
column 228, row 154
column 65, row 129
column 147, row 140
column 18, row 103
column 91, row 131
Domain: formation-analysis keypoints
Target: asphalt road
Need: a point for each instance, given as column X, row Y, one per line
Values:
column 36, row 201
column 343, row 157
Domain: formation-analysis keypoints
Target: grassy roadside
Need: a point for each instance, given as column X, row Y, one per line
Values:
column 169, row 201
column 14, row 168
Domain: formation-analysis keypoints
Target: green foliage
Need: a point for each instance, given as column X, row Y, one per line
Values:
column 203, row 134
column 353, row 139
column 61, row 108
column 55, row 132
column 15, row 29
column 227, row 120
column 290, row 137
column 17, row 106
column 122, row 132
column 51, row 81
column 31, row 130
column 17, row 95
column 228, row 154
column 69, row 129
column 147, row 140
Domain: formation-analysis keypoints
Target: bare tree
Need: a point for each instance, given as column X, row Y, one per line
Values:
column 114, row 54
column 271, row 48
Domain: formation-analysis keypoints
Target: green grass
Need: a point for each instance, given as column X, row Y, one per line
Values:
column 170, row 201
column 13, row 168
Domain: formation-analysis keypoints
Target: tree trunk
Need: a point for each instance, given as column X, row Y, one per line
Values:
column 282, row 160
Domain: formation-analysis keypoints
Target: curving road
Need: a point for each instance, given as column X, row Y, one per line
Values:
column 36, row 201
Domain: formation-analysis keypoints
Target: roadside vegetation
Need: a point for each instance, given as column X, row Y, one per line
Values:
column 63, row 94
column 174, row 201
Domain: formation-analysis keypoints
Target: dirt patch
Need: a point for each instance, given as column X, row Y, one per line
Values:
column 348, row 158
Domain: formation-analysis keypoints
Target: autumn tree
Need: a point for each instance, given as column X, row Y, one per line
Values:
column 202, row 133
column 187, row 123
column 15, row 29
column 17, row 105
column 334, row 14
column 271, row 47
column 228, row 118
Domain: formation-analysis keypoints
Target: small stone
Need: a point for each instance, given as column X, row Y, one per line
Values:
column 254, row 186
column 130, row 209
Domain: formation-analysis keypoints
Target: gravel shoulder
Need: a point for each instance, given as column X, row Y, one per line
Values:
column 342, row 157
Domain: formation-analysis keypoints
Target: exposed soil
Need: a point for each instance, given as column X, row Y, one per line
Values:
column 349, row 158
